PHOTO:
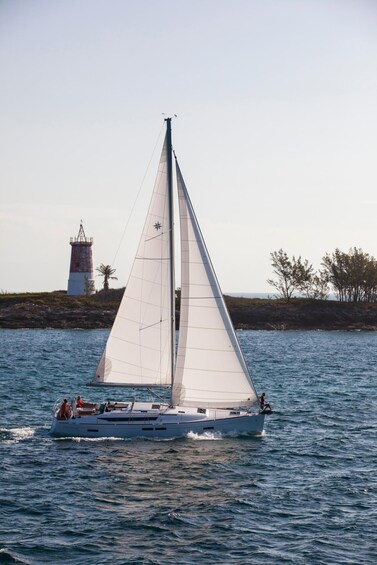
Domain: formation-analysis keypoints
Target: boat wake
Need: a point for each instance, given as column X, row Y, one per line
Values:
column 14, row 435
column 107, row 439
column 88, row 439
column 215, row 436
column 193, row 436
column 205, row 436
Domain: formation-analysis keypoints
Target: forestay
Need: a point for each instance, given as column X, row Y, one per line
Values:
column 210, row 368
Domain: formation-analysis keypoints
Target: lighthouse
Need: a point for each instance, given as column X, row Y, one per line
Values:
column 81, row 277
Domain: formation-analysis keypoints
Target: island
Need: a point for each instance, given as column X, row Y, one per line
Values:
column 58, row 310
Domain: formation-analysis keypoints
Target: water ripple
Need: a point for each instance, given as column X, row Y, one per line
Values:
column 305, row 493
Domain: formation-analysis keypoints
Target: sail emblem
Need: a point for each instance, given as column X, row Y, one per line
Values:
column 157, row 226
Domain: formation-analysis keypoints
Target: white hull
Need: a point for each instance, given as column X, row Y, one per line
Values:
column 142, row 421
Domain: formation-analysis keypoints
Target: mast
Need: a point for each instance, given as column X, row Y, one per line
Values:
column 171, row 244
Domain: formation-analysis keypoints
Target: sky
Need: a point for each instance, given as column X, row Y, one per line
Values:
column 276, row 130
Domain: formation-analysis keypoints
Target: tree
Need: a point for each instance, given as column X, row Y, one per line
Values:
column 370, row 281
column 353, row 275
column 319, row 287
column 297, row 275
column 302, row 275
column 106, row 272
column 283, row 269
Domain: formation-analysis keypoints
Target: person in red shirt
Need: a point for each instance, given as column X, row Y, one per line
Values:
column 79, row 402
column 64, row 410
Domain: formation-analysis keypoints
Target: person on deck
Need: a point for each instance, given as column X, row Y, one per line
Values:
column 64, row 410
column 79, row 402
column 262, row 402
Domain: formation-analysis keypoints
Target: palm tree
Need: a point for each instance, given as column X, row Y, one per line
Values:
column 106, row 271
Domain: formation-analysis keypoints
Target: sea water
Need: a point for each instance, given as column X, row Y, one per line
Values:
column 304, row 493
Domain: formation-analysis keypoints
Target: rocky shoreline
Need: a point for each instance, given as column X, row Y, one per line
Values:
column 57, row 310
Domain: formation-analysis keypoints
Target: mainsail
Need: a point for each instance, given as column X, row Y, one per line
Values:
column 138, row 351
column 210, row 368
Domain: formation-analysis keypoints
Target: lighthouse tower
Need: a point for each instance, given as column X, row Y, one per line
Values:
column 81, row 277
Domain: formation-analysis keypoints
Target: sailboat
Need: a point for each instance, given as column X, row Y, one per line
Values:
column 211, row 390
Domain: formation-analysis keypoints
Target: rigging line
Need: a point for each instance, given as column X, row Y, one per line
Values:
column 161, row 399
column 158, row 235
column 137, row 196
column 151, row 325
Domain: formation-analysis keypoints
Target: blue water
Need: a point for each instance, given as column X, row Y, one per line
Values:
column 305, row 493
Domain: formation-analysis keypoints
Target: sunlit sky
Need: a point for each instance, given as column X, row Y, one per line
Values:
column 276, row 131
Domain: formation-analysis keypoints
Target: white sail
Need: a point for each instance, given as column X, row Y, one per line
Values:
column 138, row 350
column 210, row 368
